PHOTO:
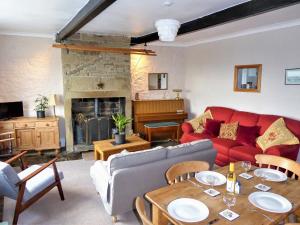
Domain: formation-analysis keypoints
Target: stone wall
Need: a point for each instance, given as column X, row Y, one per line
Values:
column 168, row 60
column 95, row 74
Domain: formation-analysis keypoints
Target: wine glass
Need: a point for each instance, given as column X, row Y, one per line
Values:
column 247, row 166
column 211, row 180
column 230, row 200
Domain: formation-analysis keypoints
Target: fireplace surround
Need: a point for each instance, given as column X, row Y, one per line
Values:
column 95, row 75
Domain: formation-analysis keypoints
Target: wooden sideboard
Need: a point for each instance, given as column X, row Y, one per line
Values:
column 146, row 111
column 33, row 133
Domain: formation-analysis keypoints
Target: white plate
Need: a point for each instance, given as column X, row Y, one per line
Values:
column 270, row 202
column 202, row 177
column 188, row 210
column 271, row 175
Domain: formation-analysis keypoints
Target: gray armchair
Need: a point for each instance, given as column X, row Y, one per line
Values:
column 30, row 184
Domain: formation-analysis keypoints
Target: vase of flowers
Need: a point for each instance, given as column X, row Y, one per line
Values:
column 120, row 121
column 41, row 104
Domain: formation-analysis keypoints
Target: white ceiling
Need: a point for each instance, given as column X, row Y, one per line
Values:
column 36, row 17
column 135, row 18
column 278, row 19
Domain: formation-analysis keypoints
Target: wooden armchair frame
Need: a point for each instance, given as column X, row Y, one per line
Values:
column 20, row 205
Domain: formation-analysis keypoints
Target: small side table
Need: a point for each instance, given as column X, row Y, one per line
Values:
column 162, row 127
column 105, row 148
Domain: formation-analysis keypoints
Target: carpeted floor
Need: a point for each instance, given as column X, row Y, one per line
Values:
column 81, row 207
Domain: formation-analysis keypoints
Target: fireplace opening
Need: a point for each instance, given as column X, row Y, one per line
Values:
column 92, row 120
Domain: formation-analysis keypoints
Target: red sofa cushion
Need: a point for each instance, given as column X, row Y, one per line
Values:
column 244, row 153
column 221, row 113
column 212, row 127
column 287, row 151
column 247, row 135
column 265, row 121
column 223, row 145
column 245, row 118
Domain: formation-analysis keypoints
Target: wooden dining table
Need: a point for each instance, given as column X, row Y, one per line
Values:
column 248, row 214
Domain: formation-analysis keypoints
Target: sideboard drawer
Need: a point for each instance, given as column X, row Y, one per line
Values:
column 6, row 126
column 24, row 124
column 46, row 124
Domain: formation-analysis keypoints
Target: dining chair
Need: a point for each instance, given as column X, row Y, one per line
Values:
column 185, row 170
column 29, row 185
column 290, row 167
column 140, row 207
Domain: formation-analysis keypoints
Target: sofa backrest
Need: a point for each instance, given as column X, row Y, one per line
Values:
column 221, row 113
column 252, row 119
column 121, row 161
column 188, row 148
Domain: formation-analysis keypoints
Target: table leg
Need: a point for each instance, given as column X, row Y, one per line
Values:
column 157, row 217
column 178, row 131
column 96, row 155
column 150, row 135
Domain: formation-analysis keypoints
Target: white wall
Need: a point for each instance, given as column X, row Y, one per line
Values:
column 30, row 66
column 168, row 60
column 210, row 68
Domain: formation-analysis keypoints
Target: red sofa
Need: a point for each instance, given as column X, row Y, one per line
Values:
column 231, row 150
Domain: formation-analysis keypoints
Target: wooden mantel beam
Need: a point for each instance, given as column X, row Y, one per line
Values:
column 92, row 48
column 238, row 12
column 92, row 9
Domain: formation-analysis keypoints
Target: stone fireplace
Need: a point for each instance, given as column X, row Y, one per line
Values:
column 96, row 84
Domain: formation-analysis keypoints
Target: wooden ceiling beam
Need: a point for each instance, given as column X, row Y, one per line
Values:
column 92, row 9
column 92, row 48
column 238, row 12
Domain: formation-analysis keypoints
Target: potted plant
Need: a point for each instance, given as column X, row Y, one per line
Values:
column 41, row 104
column 120, row 121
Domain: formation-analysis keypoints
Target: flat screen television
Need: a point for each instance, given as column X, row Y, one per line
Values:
column 10, row 110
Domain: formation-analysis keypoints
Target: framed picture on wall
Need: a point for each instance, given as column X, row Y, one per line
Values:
column 292, row 76
column 247, row 78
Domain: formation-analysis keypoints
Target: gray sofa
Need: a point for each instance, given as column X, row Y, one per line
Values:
column 124, row 176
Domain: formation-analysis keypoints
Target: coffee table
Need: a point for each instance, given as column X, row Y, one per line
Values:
column 105, row 148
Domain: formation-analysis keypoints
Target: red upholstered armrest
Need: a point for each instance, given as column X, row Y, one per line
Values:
column 287, row 151
column 187, row 128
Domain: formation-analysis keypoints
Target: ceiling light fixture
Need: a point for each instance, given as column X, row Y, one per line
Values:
column 167, row 28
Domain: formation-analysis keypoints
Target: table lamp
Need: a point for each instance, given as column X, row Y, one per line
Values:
column 52, row 102
column 177, row 91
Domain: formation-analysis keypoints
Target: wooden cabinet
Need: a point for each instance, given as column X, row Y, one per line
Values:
column 47, row 138
column 33, row 133
column 25, row 138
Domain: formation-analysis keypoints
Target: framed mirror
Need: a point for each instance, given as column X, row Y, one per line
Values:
column 158, row 81
column 247, row 78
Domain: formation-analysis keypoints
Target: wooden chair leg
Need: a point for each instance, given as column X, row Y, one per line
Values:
column 16, row 217
column 114, row 219
column 60, row 191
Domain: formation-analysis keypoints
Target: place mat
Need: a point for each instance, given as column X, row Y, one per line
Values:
column 212, row 192
column 262, row 187
column 229, row 214
column 247, row 176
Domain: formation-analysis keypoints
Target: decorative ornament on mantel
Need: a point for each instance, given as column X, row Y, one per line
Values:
column 167, row 28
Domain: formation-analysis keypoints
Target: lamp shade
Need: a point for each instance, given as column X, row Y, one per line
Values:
column 52, row 100
column 167, row 29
